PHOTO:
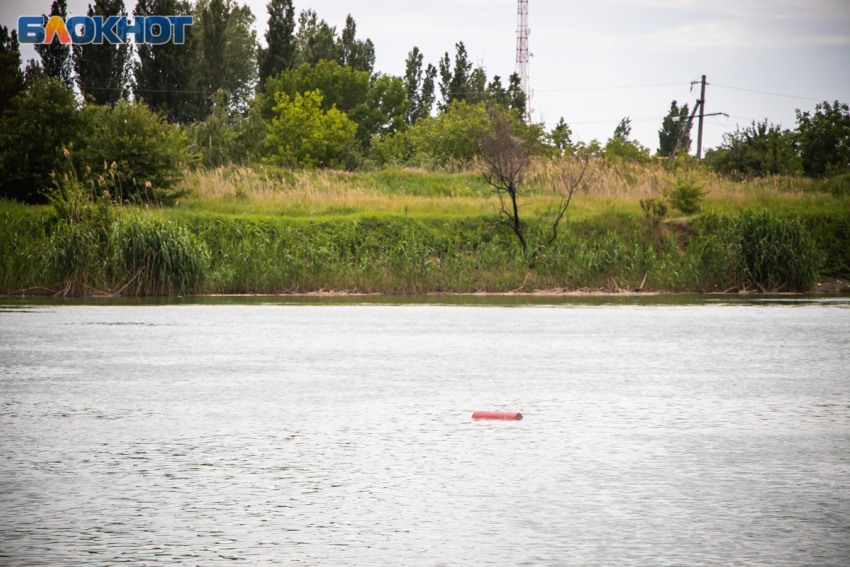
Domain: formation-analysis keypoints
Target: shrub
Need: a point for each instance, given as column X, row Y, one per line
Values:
column 146, row 150
column 47, row 119
column 451, row 137
column 824, row 139
column 687, row 194
column 654, row 210
column 758, row 150
column 302, row 134
column 228, row 137
column 377, row 103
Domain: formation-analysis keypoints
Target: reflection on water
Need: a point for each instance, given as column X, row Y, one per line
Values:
column 281, row 430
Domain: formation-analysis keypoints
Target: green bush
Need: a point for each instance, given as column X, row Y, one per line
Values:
column 147, row 151
column 32, row 139
column 452, row 137
column 654, row 210
column 376, row 104
column 758, row 150
column 824, row 139
column 227, row 137
column 686, row 195
column 303, row 134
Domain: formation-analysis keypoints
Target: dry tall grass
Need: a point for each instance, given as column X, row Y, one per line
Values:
column 264, row 190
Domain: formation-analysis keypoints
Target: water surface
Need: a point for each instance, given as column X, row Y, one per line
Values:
column 265, row 430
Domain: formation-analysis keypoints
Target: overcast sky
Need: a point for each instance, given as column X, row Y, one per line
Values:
column 799, row 48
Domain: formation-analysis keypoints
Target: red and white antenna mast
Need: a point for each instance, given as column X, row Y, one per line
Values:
column 522, row 54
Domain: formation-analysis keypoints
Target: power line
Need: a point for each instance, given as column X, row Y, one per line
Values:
column 615, row 121
column 142, row 90
column 613, row 88
column 766, row 93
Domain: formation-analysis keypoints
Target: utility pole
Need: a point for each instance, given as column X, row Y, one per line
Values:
column 686, row 128
column 701, row 116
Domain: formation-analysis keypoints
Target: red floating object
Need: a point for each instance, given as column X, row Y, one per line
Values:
column 503, row 415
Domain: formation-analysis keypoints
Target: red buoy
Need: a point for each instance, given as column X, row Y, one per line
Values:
column 503, row 415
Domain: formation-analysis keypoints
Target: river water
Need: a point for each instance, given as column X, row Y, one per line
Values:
column 658, row 432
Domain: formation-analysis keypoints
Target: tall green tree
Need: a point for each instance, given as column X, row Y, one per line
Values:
column 56, row 56
column 477, row 86
column 354, row 53
column 316, row 40
column 281, row 51
column 824, row 139
column 378, row 105
column 517, row 95
column 496, row 93
column 226, row 51
column 103, row 70
column 454, row 83
column 11, row 77
column 561, row 136
column 164, row 75
column 671, row 128
column 619, row 145
column 420, row 89
column 623, row 129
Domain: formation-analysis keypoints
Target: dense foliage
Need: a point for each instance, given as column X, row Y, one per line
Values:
column 229, row 100
column 147, row 151
column 302, row 133
column 672, row 129
column 47, row 120
column 824, row 139
column 103, row 70
column 758, row 149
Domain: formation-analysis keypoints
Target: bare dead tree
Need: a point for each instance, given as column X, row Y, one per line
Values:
column 506, row 160
column 569, row 177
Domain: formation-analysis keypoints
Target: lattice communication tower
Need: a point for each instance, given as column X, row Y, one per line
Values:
column 522, row 54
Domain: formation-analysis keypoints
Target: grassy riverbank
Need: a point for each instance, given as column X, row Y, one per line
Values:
column 401, row 231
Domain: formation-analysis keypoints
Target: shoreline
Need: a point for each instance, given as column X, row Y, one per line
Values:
column 834, row 287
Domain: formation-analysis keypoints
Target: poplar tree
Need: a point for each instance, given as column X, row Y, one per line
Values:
column 11, row 78
column 561, row 136
column 164, row 75
column 56, row 56
column 454, row 84
column 517, row 95
column 280, row 37
column 103, row 69
column 420, row 90
column 316, row 40
column 225, row 52
column 623, row 129
column 354, row 53
column 496, row 93
column 671, row 129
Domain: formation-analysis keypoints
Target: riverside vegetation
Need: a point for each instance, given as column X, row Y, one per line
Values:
column 404, row 230
column 226, row 167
